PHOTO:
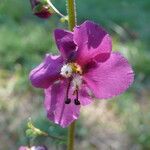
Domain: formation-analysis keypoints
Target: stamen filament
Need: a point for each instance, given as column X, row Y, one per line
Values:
column 76, row 100
column 67, row 99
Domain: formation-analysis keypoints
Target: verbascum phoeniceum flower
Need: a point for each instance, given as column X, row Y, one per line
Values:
column 85, row 68
column 33, row 148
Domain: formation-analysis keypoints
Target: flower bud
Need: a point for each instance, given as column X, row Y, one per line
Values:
column 42, row 8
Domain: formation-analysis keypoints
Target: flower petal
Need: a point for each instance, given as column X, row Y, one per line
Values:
column 93, row 42
column 64, row 41
column 57, row 111
column 23, row 148
column 110, row 78
column 47, row 72
column 84, row 96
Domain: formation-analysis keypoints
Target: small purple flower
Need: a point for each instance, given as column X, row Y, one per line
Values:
column 23, row 148
column 33, row 148
column 85, row 67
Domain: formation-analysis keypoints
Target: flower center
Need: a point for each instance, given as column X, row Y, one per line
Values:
column 74, row 72
column 66, row 71
column 69, row 69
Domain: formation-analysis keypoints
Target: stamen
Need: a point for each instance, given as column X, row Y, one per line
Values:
column 76, row 68
column 69, row 69
column 76, row 100
column 68, row 101
column 66, row 71
column 76, row 82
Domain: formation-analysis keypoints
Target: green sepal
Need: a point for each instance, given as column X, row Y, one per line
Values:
column 32, row 131
column 64, row 19
column 44, row 5
column 38, row 8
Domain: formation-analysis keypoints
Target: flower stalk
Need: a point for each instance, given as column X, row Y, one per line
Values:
column 55, row 9
column 71, row 9
column 71, row 134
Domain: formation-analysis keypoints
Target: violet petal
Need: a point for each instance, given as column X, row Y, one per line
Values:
column 57, row 111
column 23, row 148
column 110, row 78
column 47, row 72
column 65, row 43
column 93, row 43
column 84, row 95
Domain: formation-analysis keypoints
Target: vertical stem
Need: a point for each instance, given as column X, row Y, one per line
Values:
column 71, row 9
column 71, row 134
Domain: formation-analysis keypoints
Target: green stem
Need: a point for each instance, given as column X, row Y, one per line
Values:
column 71, row 134
column 71, row 9
column 54, row 8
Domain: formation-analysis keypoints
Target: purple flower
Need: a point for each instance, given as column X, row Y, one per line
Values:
column 33, row 148
column 23, row 148
column 85, row 67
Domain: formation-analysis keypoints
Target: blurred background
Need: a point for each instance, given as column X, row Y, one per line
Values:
column 119, row 124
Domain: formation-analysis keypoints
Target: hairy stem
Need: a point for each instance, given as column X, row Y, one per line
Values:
column 71, row 9
column 71, row 134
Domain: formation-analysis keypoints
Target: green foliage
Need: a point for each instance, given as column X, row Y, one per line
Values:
column 53, row 134
column 32, row 131
column 136, row 119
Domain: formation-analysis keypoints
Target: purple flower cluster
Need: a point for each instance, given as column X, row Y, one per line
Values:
column 85, row 67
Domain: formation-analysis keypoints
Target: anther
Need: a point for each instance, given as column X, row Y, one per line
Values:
column 66, row 71
column 76, row 102
column 68, row 101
